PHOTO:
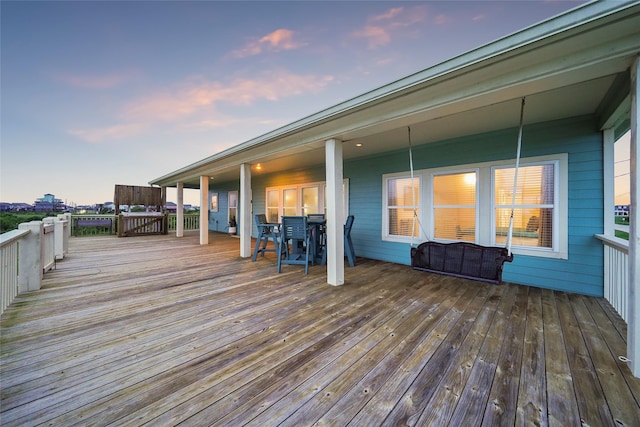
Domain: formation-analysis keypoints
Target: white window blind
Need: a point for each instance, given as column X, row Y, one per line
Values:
column 533, row 218
column 454, row 206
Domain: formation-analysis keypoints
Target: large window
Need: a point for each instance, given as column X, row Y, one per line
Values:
column 533, row 210
column 303, row 199
column 402, row 199
column 473, row 203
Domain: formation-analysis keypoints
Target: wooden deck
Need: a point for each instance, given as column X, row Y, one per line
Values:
column 161, row 331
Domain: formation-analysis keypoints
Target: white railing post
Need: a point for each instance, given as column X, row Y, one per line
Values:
column 66, row 218
column 58, row 236
column 30, row 267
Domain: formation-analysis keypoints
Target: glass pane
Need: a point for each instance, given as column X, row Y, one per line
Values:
column 290, row 211
column 456, row 189
column 290, row 200
column 272, row 215
column 310, row 200
column 535, row 185
column 233, row 199
column 272, row 198
column 455, row 224
column 401, row 222
column 532, row 227
column 401, row 193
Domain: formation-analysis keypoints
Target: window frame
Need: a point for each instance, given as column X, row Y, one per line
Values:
column 386, row 236
column 320, row 185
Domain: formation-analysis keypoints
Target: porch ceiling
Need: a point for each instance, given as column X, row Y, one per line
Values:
column 563, row 73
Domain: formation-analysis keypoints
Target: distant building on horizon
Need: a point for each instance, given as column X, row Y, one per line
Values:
column 49, row 203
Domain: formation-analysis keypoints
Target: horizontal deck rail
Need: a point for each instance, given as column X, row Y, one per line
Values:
column 616, row 273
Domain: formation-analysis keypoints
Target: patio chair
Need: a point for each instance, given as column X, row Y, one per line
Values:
column 317, row 237
column 349, row 252
column 348, row 244
column 266, row 232
column 294, row 229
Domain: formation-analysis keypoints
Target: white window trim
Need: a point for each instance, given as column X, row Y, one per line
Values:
column 385, row 209
column 485, row 212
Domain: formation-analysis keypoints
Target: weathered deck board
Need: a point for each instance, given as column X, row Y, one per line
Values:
column 157, row 330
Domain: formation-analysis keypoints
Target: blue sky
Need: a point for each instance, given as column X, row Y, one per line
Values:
column 96, row 94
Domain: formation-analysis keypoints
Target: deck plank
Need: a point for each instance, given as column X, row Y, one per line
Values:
column 158, row 330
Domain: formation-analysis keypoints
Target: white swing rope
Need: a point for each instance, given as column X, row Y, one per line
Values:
column 413, row 195
column 515, row 180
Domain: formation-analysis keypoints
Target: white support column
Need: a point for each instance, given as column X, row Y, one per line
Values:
column 244, row 215
column 204, row 210
column 335, row 212
column 30, row 268
column 180, row 209
column 633, row 328
column 608, row 161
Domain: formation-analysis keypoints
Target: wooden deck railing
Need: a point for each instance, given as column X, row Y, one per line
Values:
column 32, row 250
column 616, row 273
column 191, row 222
column 29, row 252
column 9, row 259
column 106, row 224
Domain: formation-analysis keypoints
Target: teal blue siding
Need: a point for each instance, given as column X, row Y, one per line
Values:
column 582, row 272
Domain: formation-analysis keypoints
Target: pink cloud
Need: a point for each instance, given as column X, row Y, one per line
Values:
column 98, row 135
column 196, row 96
column 105, row 81
column 375, row 36
column 380, row 29
column 280, row 39
column 390, row 14
column 196, row 103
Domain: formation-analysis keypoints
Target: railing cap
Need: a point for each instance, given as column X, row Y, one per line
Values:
column 614, row 242
column 11, row 236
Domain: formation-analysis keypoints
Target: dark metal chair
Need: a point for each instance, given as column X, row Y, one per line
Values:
column 294, row 229
column 266, row 232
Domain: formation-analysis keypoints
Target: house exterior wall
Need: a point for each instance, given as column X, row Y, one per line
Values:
column 582, row 272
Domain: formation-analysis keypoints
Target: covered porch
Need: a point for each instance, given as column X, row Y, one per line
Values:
column 159, row 330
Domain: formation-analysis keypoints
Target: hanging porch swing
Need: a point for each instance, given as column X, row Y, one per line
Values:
column 464, row 259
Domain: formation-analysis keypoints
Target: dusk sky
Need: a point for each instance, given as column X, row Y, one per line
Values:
column 95, row 94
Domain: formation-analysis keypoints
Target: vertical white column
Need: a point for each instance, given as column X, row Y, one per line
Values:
column 180, row 209
column 633, row 327
column 609, row 178
column 335, row 212
column 204, row 210
column 244, row 214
